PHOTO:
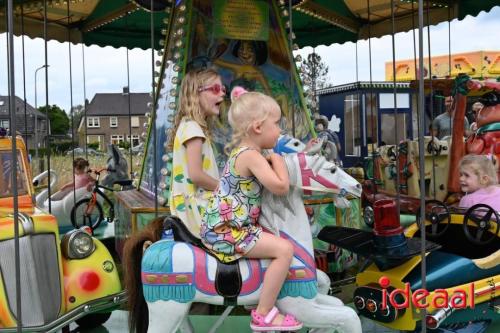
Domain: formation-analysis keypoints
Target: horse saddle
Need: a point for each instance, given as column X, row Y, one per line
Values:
column 228, row 280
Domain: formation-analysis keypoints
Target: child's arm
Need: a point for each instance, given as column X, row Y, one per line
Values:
column 194, row 163
column 271, row 171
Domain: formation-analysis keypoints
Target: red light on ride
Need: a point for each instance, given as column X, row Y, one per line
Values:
column 89, row 281
column 371, row 306
column 431, row 322
column 386, row 218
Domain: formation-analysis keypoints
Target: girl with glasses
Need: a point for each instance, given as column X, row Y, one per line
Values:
column 194, row 170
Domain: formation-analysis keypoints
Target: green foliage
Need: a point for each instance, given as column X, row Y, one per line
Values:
column 313, row 72
column 93, row 145
column 59, row 121
column 124, row 144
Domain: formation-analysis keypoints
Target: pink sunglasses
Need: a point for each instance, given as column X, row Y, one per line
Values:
column 214, row 88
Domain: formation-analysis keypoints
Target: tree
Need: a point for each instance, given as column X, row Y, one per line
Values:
column 313, row 73
column 77, row 116
column 59, row 121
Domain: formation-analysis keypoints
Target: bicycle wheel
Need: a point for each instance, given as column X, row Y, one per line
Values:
column 86, row 212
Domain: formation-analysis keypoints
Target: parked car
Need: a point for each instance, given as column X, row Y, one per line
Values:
column 81, row 151
column 64, row 277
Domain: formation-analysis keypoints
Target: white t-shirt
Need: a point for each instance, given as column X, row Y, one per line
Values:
column 187, row 201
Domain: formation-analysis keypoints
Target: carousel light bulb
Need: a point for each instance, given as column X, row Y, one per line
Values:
column 181, row 20
column 298, row 58
column 143, row 135
column 165, row 20
column 175, row 80
column 145, row 125
column 164, row 32
column 164, row 171
column 178, row 43
column 172, row 106
column 150, row 105
column 173, row 92
column 165, row 145
column 177, row 55
column 293, row 35
column 284, row 12
column 170, row 118
column 161, row 201
column 177, row 68
column 295, row 47
column 160, row 53
column 162, row 42
column 182, row 8
column 158, row 63
column 180, row 32
column 165, row 158
column 162, row 185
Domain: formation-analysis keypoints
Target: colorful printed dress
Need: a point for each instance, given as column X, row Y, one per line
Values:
column 187, row 201
column 229, row 227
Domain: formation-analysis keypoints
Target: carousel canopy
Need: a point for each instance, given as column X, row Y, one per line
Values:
column 127, row 23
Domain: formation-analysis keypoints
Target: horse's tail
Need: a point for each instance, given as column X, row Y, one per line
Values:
column 132, row 257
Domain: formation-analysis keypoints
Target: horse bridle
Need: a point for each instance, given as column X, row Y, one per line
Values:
column 307, row 175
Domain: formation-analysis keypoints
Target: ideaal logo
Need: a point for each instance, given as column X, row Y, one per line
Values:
column 400, row 298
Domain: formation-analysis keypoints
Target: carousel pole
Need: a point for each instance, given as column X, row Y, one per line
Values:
column 71, row 99
column 13, row 160
column 396, row 127
column 290, row 40
column 431, row 106
column 47, row 147
column 153, row 120
column 421, row 151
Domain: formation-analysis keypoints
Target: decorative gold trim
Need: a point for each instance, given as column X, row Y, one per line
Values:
column 324, row 14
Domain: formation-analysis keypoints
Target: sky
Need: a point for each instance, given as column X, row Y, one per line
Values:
column 106, row 69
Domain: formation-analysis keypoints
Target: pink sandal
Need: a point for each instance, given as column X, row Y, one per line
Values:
column 262, row 323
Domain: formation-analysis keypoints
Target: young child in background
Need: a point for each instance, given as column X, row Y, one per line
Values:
column 230, row 228
column 194, row 169
column 82, row 177
column 479, row 181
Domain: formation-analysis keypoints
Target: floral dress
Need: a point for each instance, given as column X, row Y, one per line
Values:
column 187, row 201
column 229, row 228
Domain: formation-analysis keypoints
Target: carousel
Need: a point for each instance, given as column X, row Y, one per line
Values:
column 251, row 44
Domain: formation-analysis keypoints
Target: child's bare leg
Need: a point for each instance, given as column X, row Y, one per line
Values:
column 280, row 251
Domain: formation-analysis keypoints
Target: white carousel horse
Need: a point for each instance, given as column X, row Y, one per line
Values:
column 63, row 201
column 175, row 274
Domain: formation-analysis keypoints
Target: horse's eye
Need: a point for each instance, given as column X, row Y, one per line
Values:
column 295, row 143
column 333, row 170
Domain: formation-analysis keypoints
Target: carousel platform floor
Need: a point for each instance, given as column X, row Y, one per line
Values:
column 202, row 323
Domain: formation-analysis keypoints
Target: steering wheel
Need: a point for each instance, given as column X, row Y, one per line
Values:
column 482, row 217
column 433, row 148
column 435, row 212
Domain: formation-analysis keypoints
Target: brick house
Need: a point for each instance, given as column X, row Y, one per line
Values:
column 107, row 119
column 25, row 124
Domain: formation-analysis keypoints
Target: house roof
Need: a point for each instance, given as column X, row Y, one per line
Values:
column 116, row 104
column 4, row 107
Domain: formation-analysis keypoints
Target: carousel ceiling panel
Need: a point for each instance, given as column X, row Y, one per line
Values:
column 315, row 22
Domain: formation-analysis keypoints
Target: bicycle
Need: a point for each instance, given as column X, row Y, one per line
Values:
column 89, row 211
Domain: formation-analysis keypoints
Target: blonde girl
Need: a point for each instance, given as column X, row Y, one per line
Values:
column 230, row 228
column 194, row 169
column 479, row 181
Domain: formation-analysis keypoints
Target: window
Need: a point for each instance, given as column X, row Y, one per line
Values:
column 134, row 121
column 113, row 121
column 4, row 123
column 6, row 189
column 116, row 139
column 352, row 126
column 402, row 101
column 93, row 122
column 135, row 140
column 371, row 112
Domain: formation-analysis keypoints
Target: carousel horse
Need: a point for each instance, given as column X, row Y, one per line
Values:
column 63, row 201
column 166, row 272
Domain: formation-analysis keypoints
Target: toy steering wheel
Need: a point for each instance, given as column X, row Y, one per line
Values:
column 482, row 217
column 436, row 213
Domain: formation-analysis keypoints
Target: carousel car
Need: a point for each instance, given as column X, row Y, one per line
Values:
column 461, row 288
column 62, row 279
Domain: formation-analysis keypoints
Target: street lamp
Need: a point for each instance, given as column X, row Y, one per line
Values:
column 36, row 109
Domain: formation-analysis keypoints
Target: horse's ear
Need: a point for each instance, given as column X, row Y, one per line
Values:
column 115, row 153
